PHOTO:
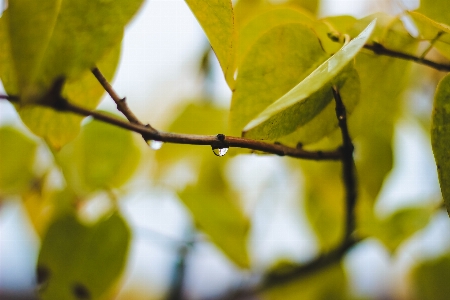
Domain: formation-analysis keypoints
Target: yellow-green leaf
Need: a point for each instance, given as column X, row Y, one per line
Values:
column 216, row 212
column 429, row 279
column 59, row 128
column 61, row 38
column 17, row 155
column 217, row 20
column 77, row 261
column 103, row 156
column 435, row 9
column 440, row 137
column 277, row 61
column 266, row 21
column 307, row 99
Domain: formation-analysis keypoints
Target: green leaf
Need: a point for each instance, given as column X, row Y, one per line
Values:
column 437, row 33
column 326, row 122
column 393, row 230
column 324, row 202
column 61, row 39
column 17, row 154
column 440, row 137
column 310, row 5
column 82, row 262
column 59, row 128
column 216, row 212
column 429, row 279
column 278, row 60
column 435, row 9
column 266, row 21
column 217, row 20
column 329, row 283
column 102, row 156
column 307, row 99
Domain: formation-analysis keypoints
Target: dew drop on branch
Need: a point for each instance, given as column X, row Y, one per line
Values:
column 155, row 145
column 220, row 151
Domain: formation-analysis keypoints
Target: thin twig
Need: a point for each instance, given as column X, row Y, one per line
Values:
column 121, row 103
column 348, row 165
column 381, row 50
column 215, row 141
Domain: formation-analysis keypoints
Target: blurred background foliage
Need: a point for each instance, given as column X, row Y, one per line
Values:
column 98, row 214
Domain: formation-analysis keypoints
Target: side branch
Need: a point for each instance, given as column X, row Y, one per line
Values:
column 121, row 103
column 381, row 50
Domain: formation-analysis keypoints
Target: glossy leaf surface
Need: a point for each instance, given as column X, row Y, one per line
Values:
column 282, row 57
column 304, row 101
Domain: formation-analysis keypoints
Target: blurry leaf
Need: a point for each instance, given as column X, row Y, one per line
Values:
column 245, row 10
column 324, row 202
column 329, row 283
column 331, row 28
column 42, row 206
column 307, row 99
column 437, row 33
column 310, row 5
column 217, row 20
column 429, row 279
column 61, row 39
column 17, row 155
column 82, row 262
column 282, row 57
column 102, row 156
column 393, row 230
column 216, row 212
column 59, row 128
column 440, row 137
column 436, row 10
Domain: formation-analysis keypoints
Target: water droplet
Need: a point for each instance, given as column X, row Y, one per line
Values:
column 220, row 151
column 155, row 145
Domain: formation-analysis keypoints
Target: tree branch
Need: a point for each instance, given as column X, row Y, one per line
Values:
column 121, row 103
column 348, row 165
column 215, row 141
column 381, row 50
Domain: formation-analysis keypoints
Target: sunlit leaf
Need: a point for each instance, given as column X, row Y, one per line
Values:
column 82, row 262
column 217, row 20
column 103, row 156
column 429, row 279
column 307, row 99
column 440, row 137
column 329, row 283
column 61, row 39
column 216, row 212
column 282, row 57
column 310, row 5
column 17, row 155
